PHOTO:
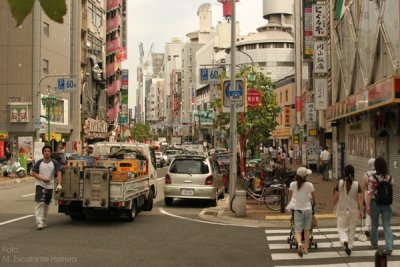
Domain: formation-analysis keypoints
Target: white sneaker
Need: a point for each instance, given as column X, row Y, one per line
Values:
column 40, row 226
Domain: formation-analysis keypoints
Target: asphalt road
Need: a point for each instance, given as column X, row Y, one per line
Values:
column 166, row 236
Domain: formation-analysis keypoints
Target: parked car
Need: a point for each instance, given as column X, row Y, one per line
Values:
column 160, row 161
column 193, row 177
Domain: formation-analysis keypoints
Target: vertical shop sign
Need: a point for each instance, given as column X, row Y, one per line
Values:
column 319, row 20
column 320, row 57
column 321, row 93
column 310, row 113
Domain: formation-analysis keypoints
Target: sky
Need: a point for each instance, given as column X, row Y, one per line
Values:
column 158, row 21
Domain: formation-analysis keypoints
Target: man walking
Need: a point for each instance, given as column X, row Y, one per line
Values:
column 44, row 171
column 325, row 162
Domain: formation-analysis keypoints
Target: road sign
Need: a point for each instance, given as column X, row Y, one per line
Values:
column 235, row 97
column 209, row 75
column 68, row 84
column 254, row 97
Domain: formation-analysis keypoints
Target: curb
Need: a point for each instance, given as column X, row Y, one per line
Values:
column 17, row 181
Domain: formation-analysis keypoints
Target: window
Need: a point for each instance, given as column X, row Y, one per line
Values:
column 286, row 96
column 251, row 47
column 95, row 45
column 45, row 66
column 96, row 13
column 265, row 45
column 46, row 29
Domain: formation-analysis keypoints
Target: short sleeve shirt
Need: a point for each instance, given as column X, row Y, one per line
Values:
column 47, row 170
column 302, row 195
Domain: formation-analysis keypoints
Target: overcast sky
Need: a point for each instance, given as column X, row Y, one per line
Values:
column 158, row 21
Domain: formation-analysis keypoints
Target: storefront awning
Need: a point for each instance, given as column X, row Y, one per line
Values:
column 379, row 94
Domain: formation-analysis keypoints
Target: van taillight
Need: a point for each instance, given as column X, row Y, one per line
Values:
column 167, row 179
column 209, row 180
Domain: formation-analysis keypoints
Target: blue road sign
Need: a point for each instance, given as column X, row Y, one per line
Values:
column 66, row 84
column 203, row 75
column 61, row 84
column 235, row 96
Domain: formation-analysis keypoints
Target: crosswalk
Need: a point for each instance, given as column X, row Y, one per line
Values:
column 329, row 251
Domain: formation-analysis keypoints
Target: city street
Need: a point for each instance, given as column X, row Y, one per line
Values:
column 166, row 236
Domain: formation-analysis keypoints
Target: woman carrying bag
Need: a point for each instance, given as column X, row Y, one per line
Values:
column 348, row 202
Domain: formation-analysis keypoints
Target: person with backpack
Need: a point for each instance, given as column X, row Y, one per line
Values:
column 348, row 203
column 379, row 202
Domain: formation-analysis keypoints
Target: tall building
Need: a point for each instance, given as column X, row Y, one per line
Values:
column 35, row 56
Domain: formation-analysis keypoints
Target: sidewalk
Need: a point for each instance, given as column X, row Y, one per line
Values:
column 258, row 215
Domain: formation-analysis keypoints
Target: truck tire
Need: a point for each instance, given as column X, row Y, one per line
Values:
column 168, row 201
column 148, row 204
column 132, row 212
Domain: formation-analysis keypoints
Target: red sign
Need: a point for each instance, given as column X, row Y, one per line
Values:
column 254, row 97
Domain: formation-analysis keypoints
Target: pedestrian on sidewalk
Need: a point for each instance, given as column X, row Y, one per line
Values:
column 325, row 158
column 348, row 203
column 364, row 185
column 379, row 202
column 291, row 155
column 44, row 172
column 300, row 202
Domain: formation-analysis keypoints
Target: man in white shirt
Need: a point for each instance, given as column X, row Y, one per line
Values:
column 325, row 158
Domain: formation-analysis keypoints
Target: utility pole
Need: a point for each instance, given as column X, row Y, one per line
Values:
column 233, row 161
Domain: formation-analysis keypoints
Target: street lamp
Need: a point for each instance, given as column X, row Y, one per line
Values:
column 48, row 102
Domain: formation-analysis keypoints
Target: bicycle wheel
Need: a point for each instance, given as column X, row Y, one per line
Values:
column 273, row 198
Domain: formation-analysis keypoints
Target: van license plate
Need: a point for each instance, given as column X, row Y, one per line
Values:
column 187, row 192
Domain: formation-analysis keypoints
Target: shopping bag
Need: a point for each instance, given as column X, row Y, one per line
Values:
column 362, row 237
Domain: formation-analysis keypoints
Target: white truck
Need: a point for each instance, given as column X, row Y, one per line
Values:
column 115, row 184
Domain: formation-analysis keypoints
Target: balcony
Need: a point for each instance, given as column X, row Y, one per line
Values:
column 113, row 88
column 112, row 113
column 112, row 4
column 111, row 68
column 113, row 23
column 114, row 45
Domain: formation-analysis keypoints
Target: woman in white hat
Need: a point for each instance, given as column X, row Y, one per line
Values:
column 301, row 190
column 364, row 184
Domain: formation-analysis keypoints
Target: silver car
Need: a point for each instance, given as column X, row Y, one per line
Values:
column 194, row 177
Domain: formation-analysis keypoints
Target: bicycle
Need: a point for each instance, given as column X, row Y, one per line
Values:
column 271, row 193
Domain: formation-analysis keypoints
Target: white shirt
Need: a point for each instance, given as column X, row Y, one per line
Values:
column 325, row 155
column 303, row 196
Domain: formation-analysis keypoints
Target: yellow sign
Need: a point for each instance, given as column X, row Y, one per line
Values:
column 3, row 135
column 312, row 132
column 55, row 136
column 281, row 132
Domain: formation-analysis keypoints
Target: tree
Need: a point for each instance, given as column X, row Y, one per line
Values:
column 141, row 132
column 54, row 9
column 256, row 124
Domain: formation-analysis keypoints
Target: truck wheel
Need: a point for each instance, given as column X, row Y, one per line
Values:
column 132, row 212
column 148, row 204
column 168, row 201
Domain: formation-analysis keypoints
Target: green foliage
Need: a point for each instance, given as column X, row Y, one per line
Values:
column 141, row 132
column 54, row 9
column 257, row 123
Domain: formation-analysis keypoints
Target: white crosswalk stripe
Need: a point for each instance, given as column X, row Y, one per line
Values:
column 329, row 250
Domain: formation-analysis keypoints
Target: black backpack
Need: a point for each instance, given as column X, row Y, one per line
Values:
column 384, row 192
